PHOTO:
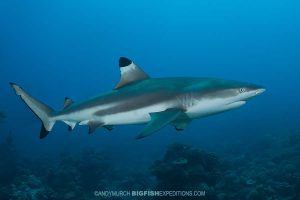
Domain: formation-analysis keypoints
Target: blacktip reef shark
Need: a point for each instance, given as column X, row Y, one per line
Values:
column 138, row 99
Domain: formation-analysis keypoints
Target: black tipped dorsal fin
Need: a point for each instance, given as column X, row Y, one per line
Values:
column 130, row 72
column 68, row 102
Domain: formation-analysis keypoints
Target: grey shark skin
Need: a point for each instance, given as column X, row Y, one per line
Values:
column 137, row 99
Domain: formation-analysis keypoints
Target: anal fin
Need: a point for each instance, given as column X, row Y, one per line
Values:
column 71, row 125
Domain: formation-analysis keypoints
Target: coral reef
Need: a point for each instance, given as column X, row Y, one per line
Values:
column 31, row 188
column 9, row 158
column 72, row 177
column 183, row 167
column 263, row 169
column 83, row 173
column 266, row 173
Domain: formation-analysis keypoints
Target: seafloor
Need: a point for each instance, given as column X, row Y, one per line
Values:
column 264, row 169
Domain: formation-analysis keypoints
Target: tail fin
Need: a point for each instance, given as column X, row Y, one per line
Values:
column 41, row 110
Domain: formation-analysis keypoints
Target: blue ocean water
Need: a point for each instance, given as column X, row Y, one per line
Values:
column 69, row 48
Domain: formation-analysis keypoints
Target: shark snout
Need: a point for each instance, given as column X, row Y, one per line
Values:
column 252, row 92
column 259, row 91
column 255, row 92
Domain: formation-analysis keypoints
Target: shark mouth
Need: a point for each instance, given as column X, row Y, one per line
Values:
column 237, row 104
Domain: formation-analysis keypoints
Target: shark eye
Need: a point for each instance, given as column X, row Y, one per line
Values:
column 242, row 90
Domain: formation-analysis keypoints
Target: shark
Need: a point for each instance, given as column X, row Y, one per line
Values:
column 140, row 99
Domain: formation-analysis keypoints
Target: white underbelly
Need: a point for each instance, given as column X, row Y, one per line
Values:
column 127, row 118
column 211, row 107
column 138, row 116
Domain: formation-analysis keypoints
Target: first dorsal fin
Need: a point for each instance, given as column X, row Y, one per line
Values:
column 68, row 102
column 130, row 72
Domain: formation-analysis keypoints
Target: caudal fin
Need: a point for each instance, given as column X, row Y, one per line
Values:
column 41, row 110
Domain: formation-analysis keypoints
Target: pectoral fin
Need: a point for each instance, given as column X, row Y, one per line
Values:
column 109, row 127
column 159, row 120
column 180, row 125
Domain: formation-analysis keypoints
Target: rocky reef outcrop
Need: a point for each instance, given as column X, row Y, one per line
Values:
column 184, row 167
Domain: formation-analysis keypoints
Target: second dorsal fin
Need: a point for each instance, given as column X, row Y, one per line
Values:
column 130, row 72
column 68, row 102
